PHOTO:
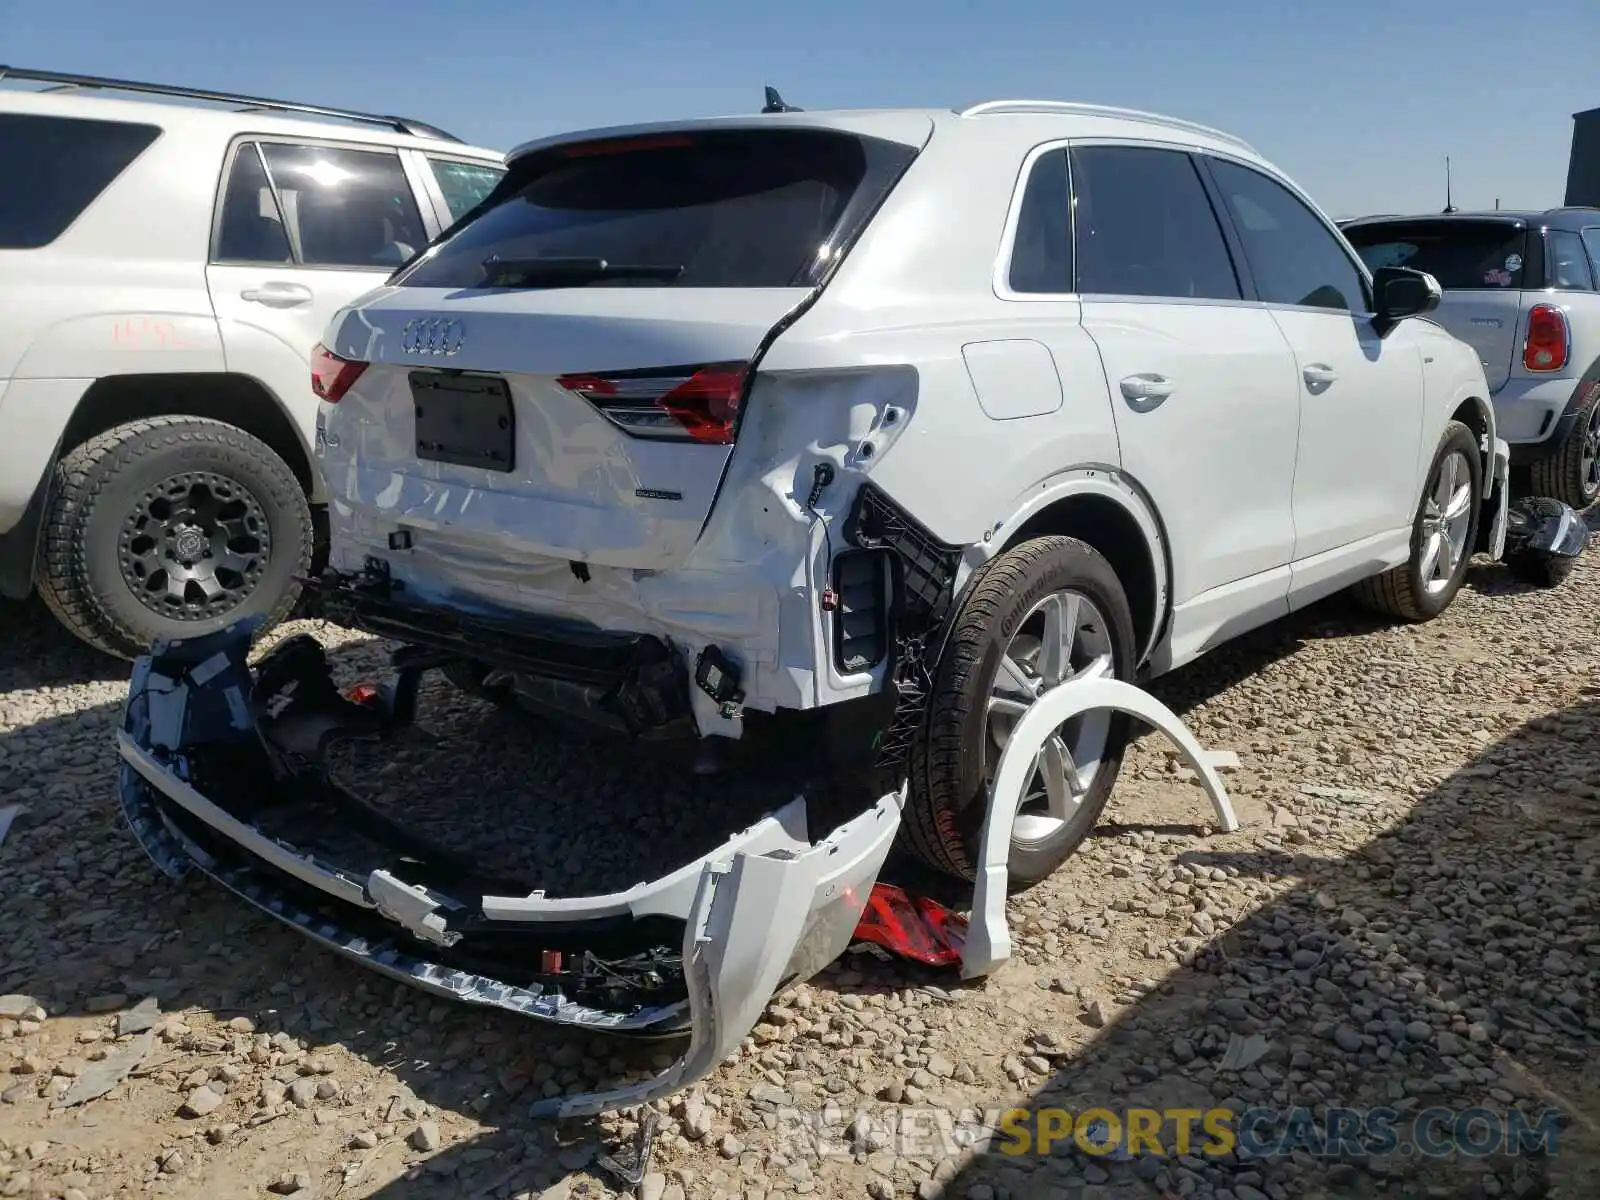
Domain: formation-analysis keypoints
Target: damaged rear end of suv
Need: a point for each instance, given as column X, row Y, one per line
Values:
column 529, row 439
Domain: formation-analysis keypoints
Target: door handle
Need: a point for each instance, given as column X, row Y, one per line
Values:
column 278, row 295
column 1319, row 375
column 1152, row 389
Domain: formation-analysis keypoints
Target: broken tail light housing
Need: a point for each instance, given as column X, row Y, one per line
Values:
column 1549, row 342
column 684, row 404
column 332, row 376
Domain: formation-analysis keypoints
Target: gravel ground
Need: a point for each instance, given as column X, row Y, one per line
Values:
column 1406, row 921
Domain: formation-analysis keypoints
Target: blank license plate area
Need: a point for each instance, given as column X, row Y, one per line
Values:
column 463, row 420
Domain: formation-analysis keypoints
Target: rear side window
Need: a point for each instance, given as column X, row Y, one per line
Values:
column 1460, row 254
column 1145, row 226
column 739, row 209
column 52, row 168
column 1041, row 249
column 1567, row 264
column 346, row 208
column 463, row 184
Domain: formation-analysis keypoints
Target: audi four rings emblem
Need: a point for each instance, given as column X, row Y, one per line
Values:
column 432, row 335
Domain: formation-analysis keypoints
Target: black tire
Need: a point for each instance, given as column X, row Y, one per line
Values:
column 1402, row 592
column 90, row 546
column 1564, row 474
column 948, row 794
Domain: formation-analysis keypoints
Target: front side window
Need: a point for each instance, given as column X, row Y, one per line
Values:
column 1294, row 257
column 1568, row 267
column 1145, row 226
column 320, row 206
column 52, row 168
column 464, row 184
column 1041, row 249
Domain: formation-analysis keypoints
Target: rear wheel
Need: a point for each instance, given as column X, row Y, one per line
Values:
column 1442, row 534
column 1572, row 473
column 171, row 527
column 1040, row 615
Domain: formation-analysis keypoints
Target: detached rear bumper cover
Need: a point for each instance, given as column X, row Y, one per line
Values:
column 766, row 908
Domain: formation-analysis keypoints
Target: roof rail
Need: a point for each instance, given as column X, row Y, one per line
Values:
column 1074, row 108
column 398, row 124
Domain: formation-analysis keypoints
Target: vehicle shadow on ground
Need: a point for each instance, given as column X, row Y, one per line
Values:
column 200, row 952
column 36, row 652
column 1400, row 979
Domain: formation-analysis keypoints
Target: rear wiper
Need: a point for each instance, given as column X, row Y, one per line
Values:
column 556, row 272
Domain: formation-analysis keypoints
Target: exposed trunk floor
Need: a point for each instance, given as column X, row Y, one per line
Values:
column 574, row 812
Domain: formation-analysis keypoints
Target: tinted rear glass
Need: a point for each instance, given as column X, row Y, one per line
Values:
column 1458, row 254
column 52, row 168
column 731, row 208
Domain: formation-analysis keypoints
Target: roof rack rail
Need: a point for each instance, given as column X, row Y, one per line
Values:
column 398, row 124
column 1075, row 108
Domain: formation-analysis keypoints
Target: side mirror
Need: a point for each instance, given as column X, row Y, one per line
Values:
column 1400, row 292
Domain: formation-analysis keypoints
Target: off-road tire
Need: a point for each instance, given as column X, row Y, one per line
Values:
column 1561, row 474
column 91, row 491
column 1400, row 592
column 945, row 810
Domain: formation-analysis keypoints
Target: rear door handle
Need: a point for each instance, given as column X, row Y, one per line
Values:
column 1152, row 389
column 278, row 295
column 1319, row 375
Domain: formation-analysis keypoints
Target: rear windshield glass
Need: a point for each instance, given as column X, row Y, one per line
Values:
column 1458, row 254
column 52, row 168
column 720, row 209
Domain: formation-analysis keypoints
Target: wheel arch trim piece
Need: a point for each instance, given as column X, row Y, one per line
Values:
column 1108, row 483
column 988, row 942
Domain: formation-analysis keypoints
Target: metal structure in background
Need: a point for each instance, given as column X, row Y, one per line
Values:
column 1583, row 167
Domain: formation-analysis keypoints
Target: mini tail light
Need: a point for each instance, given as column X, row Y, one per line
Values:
column 683, row 404
column 1547, row 346
column 332, row 376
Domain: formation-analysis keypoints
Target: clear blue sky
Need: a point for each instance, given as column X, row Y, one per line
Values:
column 1358, row 101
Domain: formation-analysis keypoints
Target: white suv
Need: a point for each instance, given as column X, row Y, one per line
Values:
column 701, row 419
column 165, row 269
column 889, row 421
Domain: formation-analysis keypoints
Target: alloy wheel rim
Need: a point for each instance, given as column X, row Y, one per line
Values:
column 1589, row 457
column 194, row 546
column 1062, row 638
column 1446, row 514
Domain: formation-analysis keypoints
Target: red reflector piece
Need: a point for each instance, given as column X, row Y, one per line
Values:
column 912, row 927
column 1547, row 345
column 362, row 693
column 332, row 376
column 626, row 145
column 550, row 962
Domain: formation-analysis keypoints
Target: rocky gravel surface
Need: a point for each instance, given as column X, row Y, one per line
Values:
column 1408, row 923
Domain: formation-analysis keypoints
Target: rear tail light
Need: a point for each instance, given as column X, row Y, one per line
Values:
column 684, row 404
column 332, row 376
column 1548, row 341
